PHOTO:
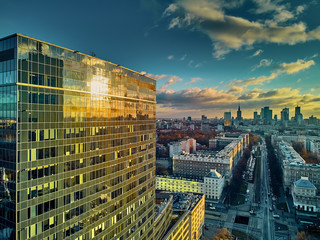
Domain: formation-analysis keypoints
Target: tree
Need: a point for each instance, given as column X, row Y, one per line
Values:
column 223, row 234
column 302, row 236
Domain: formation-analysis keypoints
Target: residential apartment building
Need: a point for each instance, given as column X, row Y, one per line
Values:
column 182, row 146
column 77, row 152
column 199, row 164
column 294, row 166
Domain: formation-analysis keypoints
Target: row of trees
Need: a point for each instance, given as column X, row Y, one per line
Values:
column 202, row 137
column 307, row 156
column 241, row 166
column 275, row 168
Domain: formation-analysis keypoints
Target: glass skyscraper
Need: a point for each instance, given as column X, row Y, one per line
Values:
column 77, row 145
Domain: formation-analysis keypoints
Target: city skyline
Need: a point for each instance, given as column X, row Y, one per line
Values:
column 207, row 57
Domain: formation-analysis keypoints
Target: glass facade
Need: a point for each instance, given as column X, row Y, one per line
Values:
column 77, row 145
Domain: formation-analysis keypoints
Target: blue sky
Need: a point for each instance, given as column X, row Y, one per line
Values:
column 208, row 55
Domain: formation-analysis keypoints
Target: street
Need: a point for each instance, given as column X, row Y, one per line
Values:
column 265, row 222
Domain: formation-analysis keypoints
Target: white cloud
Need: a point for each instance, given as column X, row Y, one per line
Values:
column 295, row 67
column 262, row 63
column 288, row 68
column 171, row 80
column 300, row 9
column 170, row 9
column 175, row 22
column 170, row 57
column 257, row 53
column 229, row 33
column 194, row 80
column 264, row 6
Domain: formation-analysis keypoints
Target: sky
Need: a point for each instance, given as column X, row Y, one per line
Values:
column 208, row 56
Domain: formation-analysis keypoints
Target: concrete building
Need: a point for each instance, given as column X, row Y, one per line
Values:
column 211, row 185
column 313, row 144
column 293, row 172
column 179, row 184
column 77, row 145
column 182, row 146
column 266, row 115
column 223, row 140
column 304, row 196
column 294, row 166
column 187, row 216
column 174, row 148
column 285, row 115
column 198, row 165
column 163, row 216
column 298, row 115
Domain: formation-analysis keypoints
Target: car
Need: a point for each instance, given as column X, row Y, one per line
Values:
column 212, row 208
column 270, row 209
column 252, row 212
column 276, row 216
column 266, row 200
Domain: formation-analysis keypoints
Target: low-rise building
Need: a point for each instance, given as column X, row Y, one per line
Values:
column 293, row 172
column 212, row 184
column 304, row 195
column 178, row 184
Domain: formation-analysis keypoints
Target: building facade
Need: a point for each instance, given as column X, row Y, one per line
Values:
column 77, row 150
column 189, row 210
column 227, row 119
column 212, row 184
column 198, row 165
column 304, row 195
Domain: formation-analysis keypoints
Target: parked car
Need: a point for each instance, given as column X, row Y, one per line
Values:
column 276, row 216
column 252, row 212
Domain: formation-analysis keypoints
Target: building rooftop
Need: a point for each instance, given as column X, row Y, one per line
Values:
column 213, row 174
column 304, row 183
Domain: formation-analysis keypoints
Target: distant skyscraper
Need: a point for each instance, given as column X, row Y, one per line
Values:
column 227, row 119
column 189, row 118
column 297, row 111
column 77, row 152
column 285, row 115
column 239, row 117
column 256, row 116
column 266, row 114
column 298, row 115
column 204, row 118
